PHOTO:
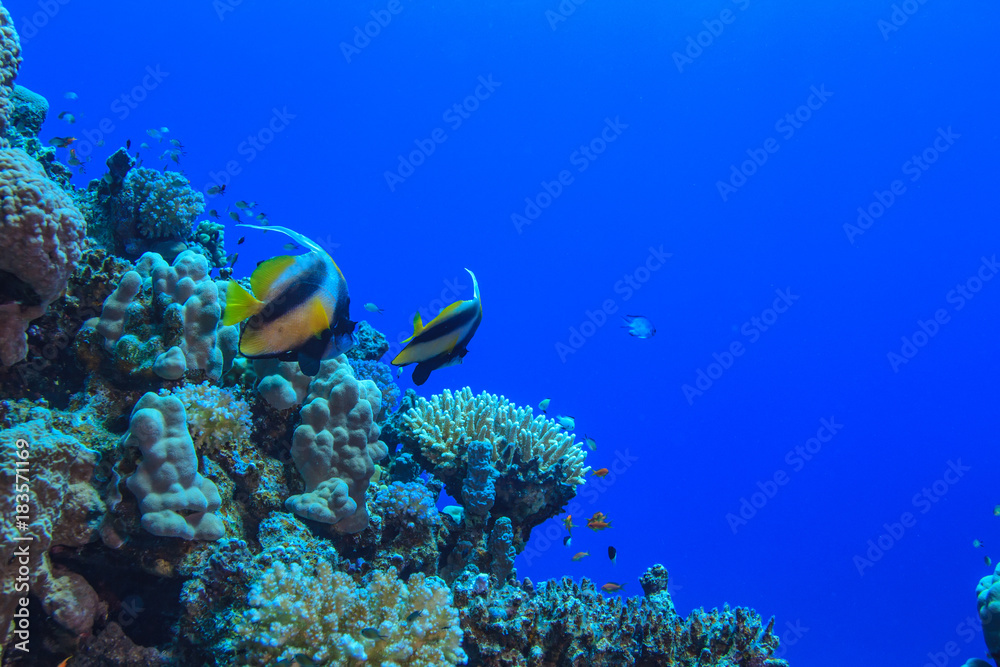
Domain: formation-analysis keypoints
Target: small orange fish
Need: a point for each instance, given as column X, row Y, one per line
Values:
column 612, row 587
column 599, row 473
column 598, row 525
column 64, row 662
column 568, row 523
column 598, row 516
column 581, row 555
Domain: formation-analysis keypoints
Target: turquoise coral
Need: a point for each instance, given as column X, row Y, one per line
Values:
column 324, row 615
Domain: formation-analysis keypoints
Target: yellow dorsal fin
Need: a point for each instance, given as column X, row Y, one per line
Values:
column 240, row 304
column 418, row 327
column 319, row 320
column 269, row 271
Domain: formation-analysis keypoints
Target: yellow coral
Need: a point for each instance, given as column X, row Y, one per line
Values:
column 323, row 615
column 445, row 423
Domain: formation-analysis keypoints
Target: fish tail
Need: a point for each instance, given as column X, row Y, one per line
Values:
column 240, row 304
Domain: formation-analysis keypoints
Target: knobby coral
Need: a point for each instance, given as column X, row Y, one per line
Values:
column 326, row 616
column 214, row 415
column 42, row 235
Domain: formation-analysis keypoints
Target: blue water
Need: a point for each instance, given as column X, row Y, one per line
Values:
column 263, row 97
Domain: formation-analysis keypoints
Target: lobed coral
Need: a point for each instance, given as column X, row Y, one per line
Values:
column 175, row 500
column 166, row 320
column 214, row 415
column 336, row 446
column 445, row 423
column 326, row 616
column 381, row 375
column 42, row 236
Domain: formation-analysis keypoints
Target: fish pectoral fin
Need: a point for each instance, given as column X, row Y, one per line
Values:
column 319, row 319
column 267, row 272
column 240, row 304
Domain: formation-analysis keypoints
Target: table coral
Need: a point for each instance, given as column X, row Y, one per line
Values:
column 336, row 446
column 324, row 615
column 42, row 235
column 175, row 500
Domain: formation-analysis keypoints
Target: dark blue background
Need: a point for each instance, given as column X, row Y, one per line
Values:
column 826, row 357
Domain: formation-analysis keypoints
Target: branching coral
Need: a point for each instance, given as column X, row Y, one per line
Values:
column 42, row 235
column 214, row 415
column 445, row 423
column 326, row 616
column 154, row 205
column 381, row 375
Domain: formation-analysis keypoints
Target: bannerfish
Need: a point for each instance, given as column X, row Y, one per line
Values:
column 444, row 340
column 298, row 309
column 639, row 326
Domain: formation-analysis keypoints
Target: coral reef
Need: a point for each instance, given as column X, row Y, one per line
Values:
column 329, row 618
column 988, row 604
column 10, row 62
column 565, row 623
column 306, row 507
column 54, row 505
column 42, row 236
column 176, row 501
column 163, row 320
column 336, row 446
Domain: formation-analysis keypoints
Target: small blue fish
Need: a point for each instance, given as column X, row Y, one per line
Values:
column 639, row 326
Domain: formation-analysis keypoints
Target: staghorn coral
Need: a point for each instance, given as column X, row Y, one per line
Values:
column 215, row 416
column 42, row 235
column 175, row 500
column 336, row 446
column 445, row 423
column 322, row 614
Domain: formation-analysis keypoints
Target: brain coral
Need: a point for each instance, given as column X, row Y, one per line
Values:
column 324, row 615
column 42, row 236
